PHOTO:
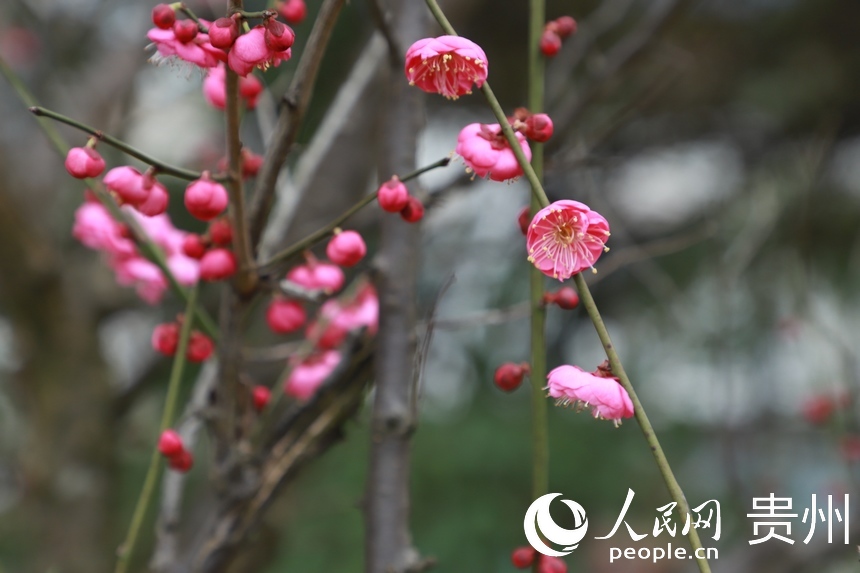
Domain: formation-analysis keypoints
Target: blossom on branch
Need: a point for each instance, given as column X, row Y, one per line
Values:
column 486, row 152
column 447, row 65
column 566, row 237
column 571, row 385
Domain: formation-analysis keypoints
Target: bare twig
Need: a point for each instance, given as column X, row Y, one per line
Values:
column 382, row 19
column 566, row 111
column 305, row 433
column 295, row 102
column 290, row 191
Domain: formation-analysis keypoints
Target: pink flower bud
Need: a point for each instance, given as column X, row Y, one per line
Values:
column 550, row 43
column 509, row 376
column 250, row 88
column 346, row 248
column 217, row 264
column 165, row 338
column 565, row 298
column 413, row 211
column 261, row 396
column 193, row 246
column 549, row 564
column 565, row 26
column 523, row 557
column 294, row 11
column 127, row 183
column 205, row 199
column 523, row 219
column 163, row 16
column 279, row 36
column 251, row 162
column 285, row 316
column 170, row 443
column 309, row 374
column 182, row 462
column 223, row 32
column 185, row 30
column 539, row 127
column 220, row 232
column 392, row 195
column 83, row 162
column 200, row 347
column 156, row 203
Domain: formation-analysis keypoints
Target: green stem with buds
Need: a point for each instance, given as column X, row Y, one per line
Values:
column 156, row 461
column 159, row 166
column 672, row 485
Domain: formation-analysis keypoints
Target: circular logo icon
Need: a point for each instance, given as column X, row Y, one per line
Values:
column 538, row 517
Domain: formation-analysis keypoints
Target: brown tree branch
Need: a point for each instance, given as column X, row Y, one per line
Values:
column 388, row 541
column 295, row 102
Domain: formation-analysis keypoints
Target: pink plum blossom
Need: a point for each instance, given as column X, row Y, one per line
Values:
column 346, row 248
column 198, row 50
column 95, row 227
column 565, row 238
column 251, row 51
column 485, row 151
column 606, row 397
column 447, row 65
column 317, row 276
column 309, row 374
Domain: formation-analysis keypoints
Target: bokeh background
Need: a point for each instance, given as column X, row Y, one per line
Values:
column 721, row 139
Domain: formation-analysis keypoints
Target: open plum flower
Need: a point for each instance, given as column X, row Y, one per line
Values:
column 566, row 237
column 571, row 385
column 447, row 65
column 485, row 151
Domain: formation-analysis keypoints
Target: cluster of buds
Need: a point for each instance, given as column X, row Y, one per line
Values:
column 171, row 447
column 509, row 376
column 535, row 126
column 524, row 557
column 217, row 261
column 394, row 197
column 554, row 32
column 140, row 190
column 165, row 339
column 208, row 44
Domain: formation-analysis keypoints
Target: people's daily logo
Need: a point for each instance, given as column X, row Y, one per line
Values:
column 539, row 522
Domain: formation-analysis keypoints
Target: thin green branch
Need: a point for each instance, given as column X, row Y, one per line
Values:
column 539, row 405
column 320, row 234
column 593, row 313
column 160, row 166
column 156, row 461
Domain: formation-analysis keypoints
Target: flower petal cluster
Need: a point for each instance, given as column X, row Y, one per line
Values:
column 566, row 237
column 571, row 385
column 447, row 65
column 486, row 152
